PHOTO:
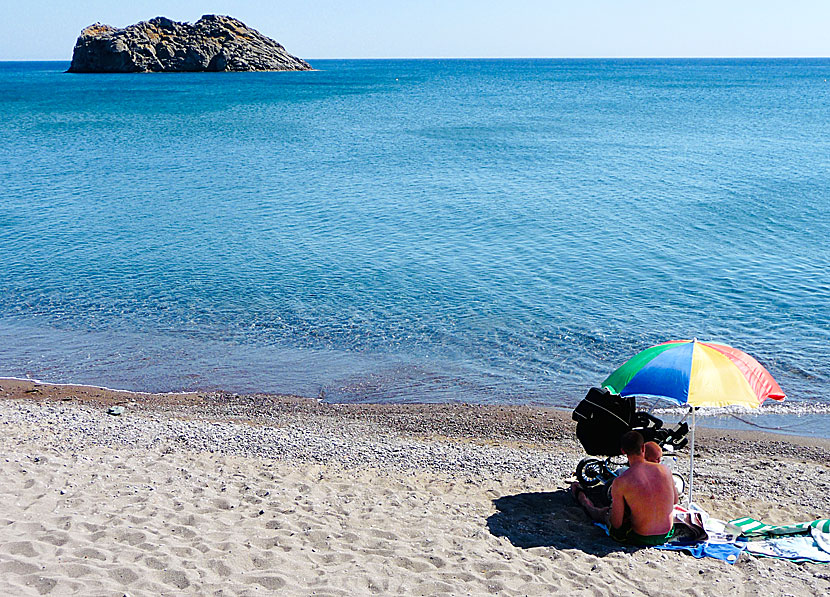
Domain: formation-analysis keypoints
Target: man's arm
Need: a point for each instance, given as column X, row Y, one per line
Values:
column 617, row 503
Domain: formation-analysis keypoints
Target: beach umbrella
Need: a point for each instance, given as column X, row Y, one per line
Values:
column 697, row 374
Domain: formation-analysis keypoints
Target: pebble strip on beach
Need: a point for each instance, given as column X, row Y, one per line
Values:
column 475, row 440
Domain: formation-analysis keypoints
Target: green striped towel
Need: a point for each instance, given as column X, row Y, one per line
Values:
column 750, row 527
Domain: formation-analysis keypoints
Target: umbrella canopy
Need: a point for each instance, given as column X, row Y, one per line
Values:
column 697, row 374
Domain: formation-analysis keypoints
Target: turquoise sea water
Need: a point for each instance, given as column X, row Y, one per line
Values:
column 469, row 230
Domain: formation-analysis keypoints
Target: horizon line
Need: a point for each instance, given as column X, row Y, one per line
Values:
column 758, row 57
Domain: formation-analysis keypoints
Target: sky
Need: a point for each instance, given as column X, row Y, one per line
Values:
column 47, row 29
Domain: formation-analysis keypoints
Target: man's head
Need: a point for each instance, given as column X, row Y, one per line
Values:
column 654, row 453
column 632, row 443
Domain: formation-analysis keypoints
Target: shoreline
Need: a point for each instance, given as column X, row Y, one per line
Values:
column 10, row 386
column 197, row 493
column 515, row 425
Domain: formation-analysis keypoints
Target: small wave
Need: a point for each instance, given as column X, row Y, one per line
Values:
column 783, row 408
column 83, row 385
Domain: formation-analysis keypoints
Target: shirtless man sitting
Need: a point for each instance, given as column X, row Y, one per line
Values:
column 642, row 498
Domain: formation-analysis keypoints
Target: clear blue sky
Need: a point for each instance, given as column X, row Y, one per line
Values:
column 47, row 29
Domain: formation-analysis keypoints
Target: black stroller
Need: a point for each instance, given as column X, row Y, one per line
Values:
column 602, row 418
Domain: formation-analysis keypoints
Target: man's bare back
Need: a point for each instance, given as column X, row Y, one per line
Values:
column 642, row 498
column 646, row 491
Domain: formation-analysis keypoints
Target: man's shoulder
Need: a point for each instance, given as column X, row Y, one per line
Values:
column 661, row 475
column 664, row 470
column 643, row 473
column 628, row 478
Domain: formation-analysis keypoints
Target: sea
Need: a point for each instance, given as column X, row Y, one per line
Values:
column 477, row 231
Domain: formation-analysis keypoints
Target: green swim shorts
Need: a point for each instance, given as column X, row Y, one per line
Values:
column 624, row 534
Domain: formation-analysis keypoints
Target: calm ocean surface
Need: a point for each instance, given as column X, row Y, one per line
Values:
column 436, row 230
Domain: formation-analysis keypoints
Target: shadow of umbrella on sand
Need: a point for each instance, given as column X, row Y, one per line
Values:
column 697, row 374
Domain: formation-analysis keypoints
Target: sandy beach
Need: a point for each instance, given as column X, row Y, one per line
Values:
column 219, row 494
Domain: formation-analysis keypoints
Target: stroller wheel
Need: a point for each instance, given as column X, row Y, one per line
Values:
column 679, row 483
column 589, row 472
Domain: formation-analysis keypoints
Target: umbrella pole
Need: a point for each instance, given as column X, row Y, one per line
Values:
column 692, row 458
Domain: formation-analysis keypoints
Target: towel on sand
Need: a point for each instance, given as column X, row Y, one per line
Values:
column 716, row 539
column 822, row 539
column 755, row 528
column 799, row 542
column 798, row 548
column 726, row 552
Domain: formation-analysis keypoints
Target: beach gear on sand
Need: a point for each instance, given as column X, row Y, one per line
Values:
column 822, row 538
column 697, row 374
column 603, row 417
column 750, row 527
column 798, row 548
column 726, row 552
column 799, row 542
column 700, row 535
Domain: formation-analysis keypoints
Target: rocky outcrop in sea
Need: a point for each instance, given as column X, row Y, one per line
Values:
column 212, row 44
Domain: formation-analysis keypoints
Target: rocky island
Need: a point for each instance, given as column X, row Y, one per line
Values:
column 212, row 44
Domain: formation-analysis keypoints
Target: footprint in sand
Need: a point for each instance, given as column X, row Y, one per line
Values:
column 22, row 548
column 56, row 538
column 219, row 567
column 91, row 553
column 15, row 567
column 384, row 534
column 155, row 563
column 42, row 584
column 176, row 578
column 271, row 582
column 77, row 570
column 123, row 575
column 411, row 565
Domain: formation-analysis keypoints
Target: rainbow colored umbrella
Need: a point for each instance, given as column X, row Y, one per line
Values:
column 699, row 374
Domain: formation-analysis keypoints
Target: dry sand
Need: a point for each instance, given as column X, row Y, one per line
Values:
column 258, row 495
